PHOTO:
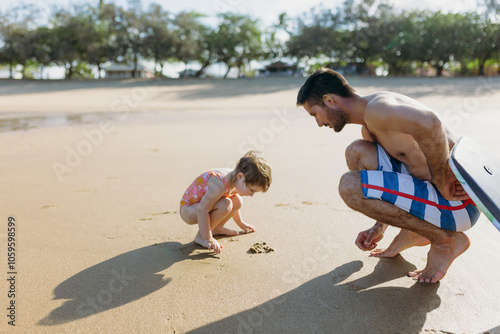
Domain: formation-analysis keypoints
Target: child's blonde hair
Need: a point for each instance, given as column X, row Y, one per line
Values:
column 256, row 169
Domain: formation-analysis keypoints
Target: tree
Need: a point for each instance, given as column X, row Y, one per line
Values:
column 70, row 35
column 316, row 35
column 100, row 45
column 238, row 41
column 160, row 41
column 18, row 37
column 208, row 49
column 442, row 36
column 189, row 37
column 484, row 39
column 130, row 27
column 362, row 26
column 276, row 37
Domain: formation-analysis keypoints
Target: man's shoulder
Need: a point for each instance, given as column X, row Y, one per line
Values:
column 379, row 104
column 383, row 99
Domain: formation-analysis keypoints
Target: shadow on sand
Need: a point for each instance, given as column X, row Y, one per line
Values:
column 118, row 281
column 205, row 88
column 324, row 305
column 354, row 306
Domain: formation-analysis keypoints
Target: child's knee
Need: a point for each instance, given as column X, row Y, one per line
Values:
column 237, row 202
column 225, row 204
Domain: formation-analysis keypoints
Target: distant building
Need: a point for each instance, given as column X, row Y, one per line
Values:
column 188, row 73
column 280, row 69
column 124, row 71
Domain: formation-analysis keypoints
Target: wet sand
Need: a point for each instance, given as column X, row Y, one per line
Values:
column 93, row 172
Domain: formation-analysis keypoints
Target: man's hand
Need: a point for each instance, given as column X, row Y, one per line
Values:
column 367, row 240
column 452, row 190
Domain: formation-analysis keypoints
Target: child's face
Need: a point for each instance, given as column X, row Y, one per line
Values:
column 246, row 189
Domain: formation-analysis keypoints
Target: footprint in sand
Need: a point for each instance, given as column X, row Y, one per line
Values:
column 310, row 203
column 48, row 207
column 164, row 213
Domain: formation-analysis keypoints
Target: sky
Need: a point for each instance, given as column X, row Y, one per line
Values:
column 267, row 11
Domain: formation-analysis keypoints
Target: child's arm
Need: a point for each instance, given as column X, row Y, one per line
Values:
column 216, row 189
column 239, row 221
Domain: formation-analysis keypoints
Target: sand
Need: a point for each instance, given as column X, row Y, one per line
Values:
column 92, row 173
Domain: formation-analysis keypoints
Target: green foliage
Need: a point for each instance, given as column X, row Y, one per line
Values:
column 237, row 41
column 366, row 33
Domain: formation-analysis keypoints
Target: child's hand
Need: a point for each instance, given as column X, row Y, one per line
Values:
column 211, row 243
column 246, row 227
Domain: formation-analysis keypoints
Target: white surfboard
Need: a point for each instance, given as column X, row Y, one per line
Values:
column 479, row 173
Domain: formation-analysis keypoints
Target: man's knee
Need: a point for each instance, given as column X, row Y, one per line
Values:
column 350, row 188
column 361, row 155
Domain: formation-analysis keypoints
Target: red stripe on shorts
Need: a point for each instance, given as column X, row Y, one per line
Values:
column 421, row 200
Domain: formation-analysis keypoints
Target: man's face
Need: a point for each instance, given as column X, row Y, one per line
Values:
column 329, row 116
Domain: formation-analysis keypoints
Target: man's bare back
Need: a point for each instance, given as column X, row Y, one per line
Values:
column 401, row 146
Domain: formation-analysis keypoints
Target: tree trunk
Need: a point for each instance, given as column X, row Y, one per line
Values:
column 395, row 70
column 202, row 69
column 439, row 71
column 134, row 71
column 481, row 64
column 227, row 72
column 69, row 72
column 11, row 71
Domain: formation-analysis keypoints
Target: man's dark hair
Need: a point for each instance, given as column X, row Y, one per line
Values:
column 321, row 82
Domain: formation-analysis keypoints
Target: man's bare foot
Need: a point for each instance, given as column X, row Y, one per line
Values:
column 440, row 257
column 404, row 240
column 224, row 231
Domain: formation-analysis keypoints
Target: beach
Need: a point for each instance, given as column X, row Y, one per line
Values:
column 92, row 173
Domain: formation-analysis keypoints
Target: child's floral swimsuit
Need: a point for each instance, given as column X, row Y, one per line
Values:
column 199, row 187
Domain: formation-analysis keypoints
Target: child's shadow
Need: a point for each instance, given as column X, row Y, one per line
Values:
column 118, row 281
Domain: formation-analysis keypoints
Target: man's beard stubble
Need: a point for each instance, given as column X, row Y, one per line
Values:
column 337, row 118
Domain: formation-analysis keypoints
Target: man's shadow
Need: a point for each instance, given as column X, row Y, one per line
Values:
column 324, row 305
column 118, row 281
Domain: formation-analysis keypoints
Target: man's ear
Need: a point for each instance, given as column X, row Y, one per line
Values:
column 328, row 100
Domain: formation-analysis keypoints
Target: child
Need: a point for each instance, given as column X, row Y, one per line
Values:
column 215, row 196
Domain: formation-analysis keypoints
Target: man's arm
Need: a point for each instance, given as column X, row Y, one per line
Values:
column 367, row 135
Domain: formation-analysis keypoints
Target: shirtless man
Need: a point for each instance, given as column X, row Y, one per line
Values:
column 399, row 173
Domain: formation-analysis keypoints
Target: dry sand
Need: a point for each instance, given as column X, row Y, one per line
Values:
column 93, row 172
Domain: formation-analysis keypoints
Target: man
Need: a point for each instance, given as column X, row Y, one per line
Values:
column 399, row 173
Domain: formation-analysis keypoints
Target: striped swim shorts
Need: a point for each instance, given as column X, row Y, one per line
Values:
column 392, row 183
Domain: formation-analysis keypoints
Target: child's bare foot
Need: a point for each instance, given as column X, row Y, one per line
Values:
column 440, row 257
column 404, row 240
column 224, row 231
column 199, row 240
